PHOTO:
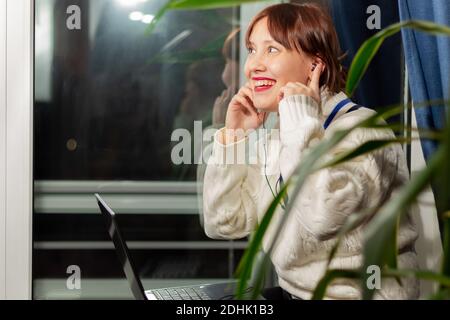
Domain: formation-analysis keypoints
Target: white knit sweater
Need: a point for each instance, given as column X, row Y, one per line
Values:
column 236, row 196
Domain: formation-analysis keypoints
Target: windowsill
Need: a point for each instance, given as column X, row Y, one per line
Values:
column 55, row 289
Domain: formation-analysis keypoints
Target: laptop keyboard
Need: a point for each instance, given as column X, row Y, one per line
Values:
column 188, row 293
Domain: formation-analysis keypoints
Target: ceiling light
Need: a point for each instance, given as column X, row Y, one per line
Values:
column 147, row 18
column 136, row 16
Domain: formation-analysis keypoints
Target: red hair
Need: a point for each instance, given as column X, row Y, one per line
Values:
column 307, row 28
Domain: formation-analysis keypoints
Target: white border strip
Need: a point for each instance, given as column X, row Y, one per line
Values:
column 2, row 149
column 19, row 147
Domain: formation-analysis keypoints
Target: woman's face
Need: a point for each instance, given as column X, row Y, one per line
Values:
column 269, row 59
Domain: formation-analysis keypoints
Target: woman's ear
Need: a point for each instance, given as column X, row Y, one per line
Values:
column 317, row 61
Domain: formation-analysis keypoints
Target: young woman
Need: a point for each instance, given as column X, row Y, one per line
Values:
column 293, row 69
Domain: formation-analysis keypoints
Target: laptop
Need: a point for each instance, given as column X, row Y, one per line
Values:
column 217, row 291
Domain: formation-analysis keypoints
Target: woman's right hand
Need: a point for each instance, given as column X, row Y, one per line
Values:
column 242, row 115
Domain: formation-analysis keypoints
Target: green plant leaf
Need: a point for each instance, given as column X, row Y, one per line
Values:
column 245, row 267
column 260, row 273
column 158, row 16
column 446, row 244
column 442, row 196
column 419, row 274
column 356, row 219
column 365, row 148
column 371, row 46
column 211, row 50
column 329, row 276
column 442, row 294
column 209, row 4
column 424, row 133
column 441, row 184
column 391, row 250
column 193, row 5
column 378, row 234
column 308, row 165
column 350, row 224
column 333, row 274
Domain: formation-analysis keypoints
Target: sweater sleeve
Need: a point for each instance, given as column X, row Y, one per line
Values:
column 330, row 195
column 229, row 196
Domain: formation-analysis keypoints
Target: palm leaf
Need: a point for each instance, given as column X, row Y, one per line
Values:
column 446, row 261
column 193, row 5
column 443, row 198
column 308, row 165
column 442, row 294
column 245, row 266
column 159, row 14
column 363, row 149
column 334, row 274
column 419, row 274
column 351, row 223
column 209, row 4
column 330, row 276
column 371, row 46
column 354, row 220
column 378, row 235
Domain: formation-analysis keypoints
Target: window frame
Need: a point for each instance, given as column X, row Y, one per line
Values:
column 16, row 146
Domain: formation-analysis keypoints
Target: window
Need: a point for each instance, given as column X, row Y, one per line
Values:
column 108, row 97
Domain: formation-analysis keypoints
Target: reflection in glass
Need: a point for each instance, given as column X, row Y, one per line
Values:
column 107, row 99
column 108, row 96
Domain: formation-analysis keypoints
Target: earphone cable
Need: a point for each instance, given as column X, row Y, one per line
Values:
column 265, row 165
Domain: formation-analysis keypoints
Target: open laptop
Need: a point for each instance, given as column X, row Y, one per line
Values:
column 219, row 291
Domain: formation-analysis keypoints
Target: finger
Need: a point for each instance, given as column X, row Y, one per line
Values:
column 248, row 107
column 238, row 105
column 301, row 85
column 295, row 88
column 315, row 77
column 292, row 84
column 284, row 91
column 248, row 88
column 247, row 91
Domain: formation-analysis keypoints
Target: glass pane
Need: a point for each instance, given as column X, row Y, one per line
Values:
column 109, row 99
column 113, row 106
column 109, row 96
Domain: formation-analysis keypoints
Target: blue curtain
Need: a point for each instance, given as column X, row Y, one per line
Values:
column 384, row 74
column 428, row 62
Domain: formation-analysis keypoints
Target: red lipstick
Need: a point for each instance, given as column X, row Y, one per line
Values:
column 262, row 88
column 262, row 78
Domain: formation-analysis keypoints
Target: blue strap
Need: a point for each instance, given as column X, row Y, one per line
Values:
column 333, row 113
column 330, row 118
column 354, row 108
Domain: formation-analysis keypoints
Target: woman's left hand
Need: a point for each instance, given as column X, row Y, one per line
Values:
column 312, row 89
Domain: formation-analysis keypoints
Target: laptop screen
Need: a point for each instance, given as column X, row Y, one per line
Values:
column 121, row 249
